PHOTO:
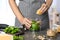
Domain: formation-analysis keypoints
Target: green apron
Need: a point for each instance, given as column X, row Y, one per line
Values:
column 29, row 8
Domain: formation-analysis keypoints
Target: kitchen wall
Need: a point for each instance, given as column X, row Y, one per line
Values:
column 7, row 16
column 55, row 5
column 58, row 5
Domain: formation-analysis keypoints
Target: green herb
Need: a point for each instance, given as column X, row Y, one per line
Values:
column 34, row 26
column 18, row 37
column 11, row 30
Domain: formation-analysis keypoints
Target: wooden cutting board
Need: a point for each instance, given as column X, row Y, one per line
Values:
column 6, row 37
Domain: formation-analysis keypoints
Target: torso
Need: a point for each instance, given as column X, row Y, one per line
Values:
column 29, row 8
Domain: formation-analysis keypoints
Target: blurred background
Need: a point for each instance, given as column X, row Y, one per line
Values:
column 7, row 16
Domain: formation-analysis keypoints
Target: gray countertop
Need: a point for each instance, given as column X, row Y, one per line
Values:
column 29, row 35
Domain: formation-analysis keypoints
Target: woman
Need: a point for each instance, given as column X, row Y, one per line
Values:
column 27, row 11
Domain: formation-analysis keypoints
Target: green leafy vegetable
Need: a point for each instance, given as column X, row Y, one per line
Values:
column 34, row 26
column 11, row 30
column 18, row 37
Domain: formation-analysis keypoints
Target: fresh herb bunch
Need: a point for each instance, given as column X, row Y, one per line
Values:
column 18, row 37
column 35, row 26
column 15, row 31
column 11, row 29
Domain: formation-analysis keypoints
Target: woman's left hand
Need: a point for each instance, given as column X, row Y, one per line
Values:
column 43, row 8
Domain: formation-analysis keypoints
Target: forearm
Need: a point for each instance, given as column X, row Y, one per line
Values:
column 16, row 10
column 48, row 3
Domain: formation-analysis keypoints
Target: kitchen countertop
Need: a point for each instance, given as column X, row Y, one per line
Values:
column 29, row 35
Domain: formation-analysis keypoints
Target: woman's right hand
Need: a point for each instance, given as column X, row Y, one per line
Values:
column 18, row 14
column 27, row 22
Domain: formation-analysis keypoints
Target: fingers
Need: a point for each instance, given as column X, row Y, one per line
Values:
column 27, row 23
column 43, row 8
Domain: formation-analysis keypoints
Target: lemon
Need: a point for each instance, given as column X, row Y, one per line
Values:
column 39, row 12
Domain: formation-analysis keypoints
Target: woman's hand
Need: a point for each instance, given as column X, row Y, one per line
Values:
column 46, row 6
column 27, row 23
column 43, row 8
